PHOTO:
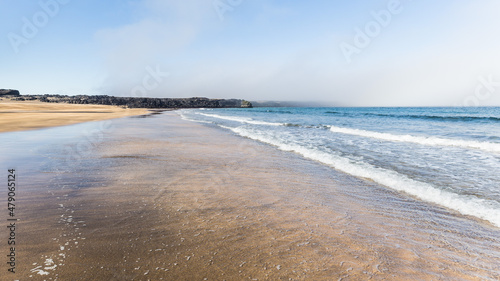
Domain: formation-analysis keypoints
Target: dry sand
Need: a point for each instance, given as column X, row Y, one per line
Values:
column 29, row 115
column 180, row 201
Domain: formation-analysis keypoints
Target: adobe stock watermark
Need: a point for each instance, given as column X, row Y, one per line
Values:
column 485, row 89
column 223, row 6
column 90, row 138
column 31, row 26
column 151, row 81
column 228, row 174
column 364, row 37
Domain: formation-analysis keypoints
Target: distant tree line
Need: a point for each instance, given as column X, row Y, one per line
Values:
column 135, row 102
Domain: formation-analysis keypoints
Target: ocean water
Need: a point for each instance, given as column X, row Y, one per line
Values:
column 445, row 156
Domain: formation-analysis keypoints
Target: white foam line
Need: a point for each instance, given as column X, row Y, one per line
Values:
column 468, row 205
column 184, row 117
column 430, row 141
column 240, row 119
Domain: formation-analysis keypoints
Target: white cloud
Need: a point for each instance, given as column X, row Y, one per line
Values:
column 392, row 71
column 165, row 29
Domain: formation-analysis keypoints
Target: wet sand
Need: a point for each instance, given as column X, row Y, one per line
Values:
column 167, row 199
column 29, row 115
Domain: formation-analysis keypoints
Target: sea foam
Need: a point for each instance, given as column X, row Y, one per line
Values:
column 429, row 141
column 468, row 205
column 241, row 119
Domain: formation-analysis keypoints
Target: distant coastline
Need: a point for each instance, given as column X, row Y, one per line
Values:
column 28, row 112
column 131, row 102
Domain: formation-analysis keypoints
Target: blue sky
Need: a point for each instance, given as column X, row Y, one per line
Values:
column 353, row 53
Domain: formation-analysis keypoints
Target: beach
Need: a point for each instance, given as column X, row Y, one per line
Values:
column 250, row 140
column 29, row 115
column 161, row 198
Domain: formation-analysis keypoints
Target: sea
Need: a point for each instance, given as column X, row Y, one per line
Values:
column 449, row 156
column 407, row 191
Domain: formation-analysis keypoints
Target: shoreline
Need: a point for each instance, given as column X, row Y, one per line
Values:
column 33, row 115
column 162, row 198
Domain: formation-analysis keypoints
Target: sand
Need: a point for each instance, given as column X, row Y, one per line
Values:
column 29, row 115
column 167, row 199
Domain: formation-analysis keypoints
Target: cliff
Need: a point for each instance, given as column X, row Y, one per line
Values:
column 9, row 92
column 135, row 102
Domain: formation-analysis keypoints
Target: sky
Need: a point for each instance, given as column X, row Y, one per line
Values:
column 345, row 53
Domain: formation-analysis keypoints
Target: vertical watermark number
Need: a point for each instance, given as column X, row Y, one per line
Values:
column 11, row 220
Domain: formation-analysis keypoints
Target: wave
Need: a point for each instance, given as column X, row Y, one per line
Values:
column 276, row 111
column 458, row 118
column 334, row 112
column 440, row 118
column 184, row 117
column 256, row 122
column 468, row 205
column 430, row 141
column 241, row 119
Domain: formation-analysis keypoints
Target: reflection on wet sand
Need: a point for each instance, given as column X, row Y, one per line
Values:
column 165, row 199
column 152, row 113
